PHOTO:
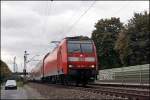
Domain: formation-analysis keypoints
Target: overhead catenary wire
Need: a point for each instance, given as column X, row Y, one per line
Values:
column 48, row 12
column 79, row 17
column 70, row 18
column 71, row 27
column 120, row 9
column 47, row 15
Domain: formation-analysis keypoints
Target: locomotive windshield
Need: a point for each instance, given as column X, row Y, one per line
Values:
column 87, row 47
column 80, row 47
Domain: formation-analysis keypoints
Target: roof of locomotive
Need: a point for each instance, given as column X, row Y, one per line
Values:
column 75, row 38
column 78, row 38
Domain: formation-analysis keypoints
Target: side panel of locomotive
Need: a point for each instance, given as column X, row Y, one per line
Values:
column 62, row 54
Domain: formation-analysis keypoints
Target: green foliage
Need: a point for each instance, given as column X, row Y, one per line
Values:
column 104, row 37
column 122, row 47
column 4, row 71
column 119, row 45
column 20, row 83
column 139, row 34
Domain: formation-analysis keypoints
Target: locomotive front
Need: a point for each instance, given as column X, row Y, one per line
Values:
column 82, row 60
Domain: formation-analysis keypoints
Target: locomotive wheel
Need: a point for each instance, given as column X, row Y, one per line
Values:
column 62, row 79
column 66, row 81
column 53, row 80
column 43, row 79
column 77, row 83
column 84, row 83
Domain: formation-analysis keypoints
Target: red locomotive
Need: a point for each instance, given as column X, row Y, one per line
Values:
column 73, row 60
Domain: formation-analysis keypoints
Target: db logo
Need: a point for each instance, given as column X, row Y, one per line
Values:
column 81, row 58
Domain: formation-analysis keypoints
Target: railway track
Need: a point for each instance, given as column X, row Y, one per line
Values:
column 124, row 85
column 122, row 93
column 116, row 92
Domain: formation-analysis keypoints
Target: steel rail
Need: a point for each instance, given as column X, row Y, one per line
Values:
column 118, row 93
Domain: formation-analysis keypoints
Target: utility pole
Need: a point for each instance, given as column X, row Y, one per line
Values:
column 14, row 64
column 25, row 61
column 16, row 68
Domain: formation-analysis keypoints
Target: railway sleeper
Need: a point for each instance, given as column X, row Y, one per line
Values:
column 125, row 94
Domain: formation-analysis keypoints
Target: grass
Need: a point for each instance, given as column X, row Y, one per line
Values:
column 20, row 83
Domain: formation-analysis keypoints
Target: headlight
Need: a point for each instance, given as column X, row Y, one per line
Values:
column 70, row 66
column 92, row 66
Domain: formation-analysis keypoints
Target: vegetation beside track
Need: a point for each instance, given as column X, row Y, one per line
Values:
column 120, row 44
column 4, row 71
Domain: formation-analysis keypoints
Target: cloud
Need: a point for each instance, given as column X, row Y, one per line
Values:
column 17, row 17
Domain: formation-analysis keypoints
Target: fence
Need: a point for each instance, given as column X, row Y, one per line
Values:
column 133, row 74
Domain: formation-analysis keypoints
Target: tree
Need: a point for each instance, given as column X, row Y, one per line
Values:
column 121, row 46
column 139, row 34
column 4, row 71
column 104, row 37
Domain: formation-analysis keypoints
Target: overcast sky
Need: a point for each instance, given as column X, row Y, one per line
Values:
column 32, row 25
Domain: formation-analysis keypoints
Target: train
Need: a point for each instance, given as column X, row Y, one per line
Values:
column 73, row 60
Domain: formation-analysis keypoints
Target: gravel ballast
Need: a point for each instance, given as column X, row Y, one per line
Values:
column 57, row 92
